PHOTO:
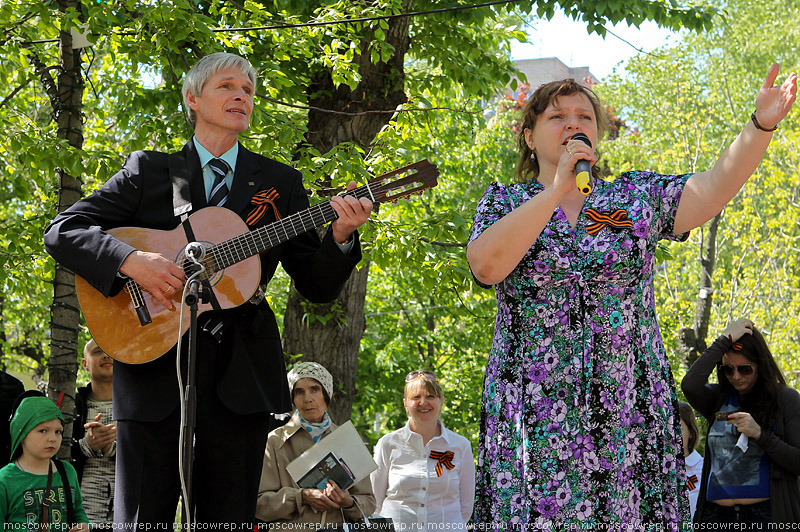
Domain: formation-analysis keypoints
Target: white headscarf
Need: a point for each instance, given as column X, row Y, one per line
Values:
column 311, row 370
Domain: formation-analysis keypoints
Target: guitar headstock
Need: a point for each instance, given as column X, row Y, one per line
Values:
column 418, row 176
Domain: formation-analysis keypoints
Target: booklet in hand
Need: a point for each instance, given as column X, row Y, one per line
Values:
column 342, row 450
column 331, row 467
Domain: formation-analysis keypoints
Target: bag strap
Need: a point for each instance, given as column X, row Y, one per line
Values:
column 345, row 526
column 67, row 492
column 366, row 519
column 45, row 516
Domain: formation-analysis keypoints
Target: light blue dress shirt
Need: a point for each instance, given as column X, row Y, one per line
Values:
column 229, row 157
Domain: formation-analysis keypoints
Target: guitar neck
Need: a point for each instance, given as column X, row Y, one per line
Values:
column 251, row 243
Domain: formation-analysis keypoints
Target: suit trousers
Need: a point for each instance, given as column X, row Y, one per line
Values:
column 228, row 453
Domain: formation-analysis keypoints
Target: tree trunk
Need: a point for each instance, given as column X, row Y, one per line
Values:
column 65, row 313
column 335, row 343
column 693, row 339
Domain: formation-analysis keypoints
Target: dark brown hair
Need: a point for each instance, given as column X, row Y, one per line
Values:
column 687, row 416
column 542, row 97
column 760, row 402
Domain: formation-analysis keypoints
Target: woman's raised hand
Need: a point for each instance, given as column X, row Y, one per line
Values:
column 738, row 328
column 774, row 103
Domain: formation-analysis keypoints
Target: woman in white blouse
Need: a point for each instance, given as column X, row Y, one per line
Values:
column 426, row 473
column 694, row 460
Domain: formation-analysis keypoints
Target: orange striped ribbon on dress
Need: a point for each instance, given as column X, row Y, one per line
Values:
column 443, row 458
column 617, row 219
column 691, row 482
column 261, row 200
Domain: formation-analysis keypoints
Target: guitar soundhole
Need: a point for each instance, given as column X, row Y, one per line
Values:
column 211, row 273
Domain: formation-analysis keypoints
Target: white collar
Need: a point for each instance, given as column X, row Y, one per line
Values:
column 693, row 459
column 444, row 433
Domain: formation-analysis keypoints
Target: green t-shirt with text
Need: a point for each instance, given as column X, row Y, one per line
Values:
column 21, row 496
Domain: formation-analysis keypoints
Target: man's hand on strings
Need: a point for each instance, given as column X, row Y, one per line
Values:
column 156, row 274
column 353, row 213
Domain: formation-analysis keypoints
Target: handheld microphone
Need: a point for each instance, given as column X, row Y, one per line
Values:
column 583, row 170
column 195, row 251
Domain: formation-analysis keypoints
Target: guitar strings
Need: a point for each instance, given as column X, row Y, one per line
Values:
column 135, row 293
column 240, row 247
column 248, row 244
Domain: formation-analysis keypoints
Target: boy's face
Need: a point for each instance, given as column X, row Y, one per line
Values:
column 44, row 440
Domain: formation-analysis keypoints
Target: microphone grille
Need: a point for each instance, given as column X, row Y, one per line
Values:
column 582, row 137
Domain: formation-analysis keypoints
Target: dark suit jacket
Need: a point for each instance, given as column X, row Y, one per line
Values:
column 140, row 195
column 10, row 389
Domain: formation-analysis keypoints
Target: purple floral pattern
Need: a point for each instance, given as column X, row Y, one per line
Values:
column 577, row 423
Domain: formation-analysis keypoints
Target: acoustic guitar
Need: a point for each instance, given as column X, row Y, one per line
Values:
column 133, row 327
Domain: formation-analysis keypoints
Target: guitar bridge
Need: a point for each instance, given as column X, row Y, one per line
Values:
column 135, row 291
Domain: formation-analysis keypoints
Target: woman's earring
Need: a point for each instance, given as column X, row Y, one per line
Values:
column 533, row 156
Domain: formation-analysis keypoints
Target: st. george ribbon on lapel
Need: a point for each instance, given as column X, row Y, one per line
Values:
column 260, row 201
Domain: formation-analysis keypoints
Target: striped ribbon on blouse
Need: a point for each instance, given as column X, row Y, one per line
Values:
column 617, row 219
column 443, row 458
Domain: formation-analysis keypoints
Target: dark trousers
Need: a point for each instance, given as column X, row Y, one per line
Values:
column 751, row 516
column 228, row 454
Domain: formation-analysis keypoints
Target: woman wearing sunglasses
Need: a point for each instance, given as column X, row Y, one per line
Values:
column 426, row 473
column 752, row 459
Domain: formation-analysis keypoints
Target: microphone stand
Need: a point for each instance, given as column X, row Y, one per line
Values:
column 195, row 293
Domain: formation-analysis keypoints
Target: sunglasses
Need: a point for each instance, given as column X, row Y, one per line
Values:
column 418, row 373
column 744, row 370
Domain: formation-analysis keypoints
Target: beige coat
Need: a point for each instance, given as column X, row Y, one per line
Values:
column 279, row 498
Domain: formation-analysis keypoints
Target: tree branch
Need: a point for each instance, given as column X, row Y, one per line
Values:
column 443, row 244
column 49, row 84
column 360, row 113
column 14, row 93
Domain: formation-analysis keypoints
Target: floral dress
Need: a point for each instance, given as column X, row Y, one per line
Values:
column 578, row 423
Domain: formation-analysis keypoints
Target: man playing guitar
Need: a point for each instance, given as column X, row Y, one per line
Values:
column 240, row 372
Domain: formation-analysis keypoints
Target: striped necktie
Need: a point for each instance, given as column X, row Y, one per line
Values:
column 219, row 191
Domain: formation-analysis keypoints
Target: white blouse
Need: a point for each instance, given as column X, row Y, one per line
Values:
column 694, row 473
column 406, row 485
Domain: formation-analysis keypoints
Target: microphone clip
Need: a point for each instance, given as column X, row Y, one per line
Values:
column 195, row 251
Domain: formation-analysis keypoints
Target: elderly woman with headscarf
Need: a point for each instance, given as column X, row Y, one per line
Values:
column 280, row 500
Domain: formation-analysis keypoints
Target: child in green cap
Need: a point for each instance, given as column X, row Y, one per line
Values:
column 32, row 494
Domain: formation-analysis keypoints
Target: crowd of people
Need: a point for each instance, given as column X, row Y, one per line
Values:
column 424, row 476
column 581, row 427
